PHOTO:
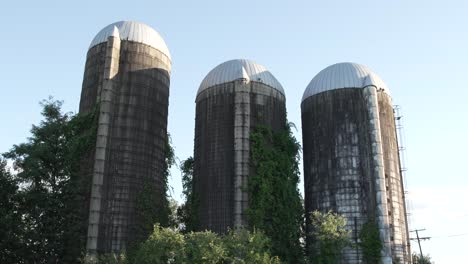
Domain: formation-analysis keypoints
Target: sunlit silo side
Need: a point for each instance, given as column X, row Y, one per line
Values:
column 351, row 158
column 234, row 98
column 126, row 76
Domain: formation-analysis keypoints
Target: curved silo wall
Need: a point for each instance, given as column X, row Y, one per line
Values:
column 130, row 84
column 225, row 116
column 337, row 174
column 393, row 180
column 351, row 165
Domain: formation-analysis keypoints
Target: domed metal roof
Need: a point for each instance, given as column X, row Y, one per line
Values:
column 239, row 69
column 133, row 31
column 343, row 75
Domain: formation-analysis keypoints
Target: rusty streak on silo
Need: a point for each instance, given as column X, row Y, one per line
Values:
column 351, row 158
column 234, row 98
column 127, row 77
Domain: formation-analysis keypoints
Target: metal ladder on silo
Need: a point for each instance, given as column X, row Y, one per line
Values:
column 400, row 135
column 401, row 142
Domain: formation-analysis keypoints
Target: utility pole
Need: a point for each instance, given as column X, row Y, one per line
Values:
column 419, row 240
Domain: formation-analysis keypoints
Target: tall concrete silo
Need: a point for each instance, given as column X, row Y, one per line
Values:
column 234, row 98
column 126, row 76
column 351, row 157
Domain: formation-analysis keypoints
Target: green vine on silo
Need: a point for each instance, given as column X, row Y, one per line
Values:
column 275, row 204
column 188, row 211
column 370, row 243
column 151, row 206
column 169, row 161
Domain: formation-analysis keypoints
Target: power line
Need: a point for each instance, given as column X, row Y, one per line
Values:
column 458, row 235
column 453, row 235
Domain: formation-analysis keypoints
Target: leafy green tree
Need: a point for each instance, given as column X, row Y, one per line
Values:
column 329, row 236
column 11, row 235
column 244, row 247
column 370, row 244
column 52, row 194
column 188, row 212
column 169, row 161
column 165, row 245
column 204, row 247
column 174, row 220
column 425, row 259
column 275, row 203
column 109, row 258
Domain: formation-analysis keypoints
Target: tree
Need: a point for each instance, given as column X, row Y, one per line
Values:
column 244, row 247
column 174, row 220
column 204, row 247
column 11, row 235
column 329, row 237
column 52, row 194
column 168, row 245
column 108, row 258
column 169, row 161
column 275, row 203
column 188, row 212
column 165, row 245
column 425, row 259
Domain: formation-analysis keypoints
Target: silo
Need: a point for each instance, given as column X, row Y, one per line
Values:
column 126, row 77
column 351, row 157
column 234, row 98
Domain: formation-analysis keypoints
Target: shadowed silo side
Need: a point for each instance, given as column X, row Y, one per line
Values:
column 127, row 76
column 351, row 162
column 232, row 100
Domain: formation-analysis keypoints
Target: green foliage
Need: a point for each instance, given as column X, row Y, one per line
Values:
column 51, row 194
column 370, row 244
column 188, row 212
column 174, row 220
column 275, row 204
column 167, row 245
column 247, row 247
column 151, row 208
column 169, row 161
column 329, row 237
column 11, row 235
column 204, row 247
column 109, row 258
column 425, row 259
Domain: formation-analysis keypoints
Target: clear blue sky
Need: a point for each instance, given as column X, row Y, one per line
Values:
column 419, row 48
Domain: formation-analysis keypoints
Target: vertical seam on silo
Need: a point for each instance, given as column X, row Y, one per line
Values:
column 110, row 70
column 370, row 95
column 241, row 148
